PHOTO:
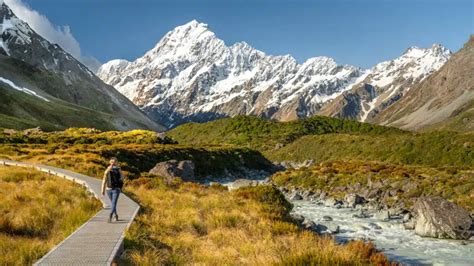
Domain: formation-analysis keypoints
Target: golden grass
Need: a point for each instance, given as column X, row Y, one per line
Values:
column 37, row 211
column 185, row 223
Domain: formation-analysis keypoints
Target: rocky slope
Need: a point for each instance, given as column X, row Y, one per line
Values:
column 445, row 99
column 41, row 84
column 191, row 75
column 387, row 83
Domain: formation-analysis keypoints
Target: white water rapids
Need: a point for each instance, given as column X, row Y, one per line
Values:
column 398, row 244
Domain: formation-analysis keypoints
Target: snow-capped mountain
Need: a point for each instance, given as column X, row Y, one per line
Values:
column 33, row 70
column 387, row 82
column 191, row 75
column 444, row 100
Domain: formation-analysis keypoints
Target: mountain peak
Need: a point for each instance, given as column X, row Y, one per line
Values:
column 437, row 50
column 192, row 29
column 5, row 12
column 194, row 24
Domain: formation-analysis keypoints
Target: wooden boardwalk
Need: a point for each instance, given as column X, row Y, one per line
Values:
column 96, row 242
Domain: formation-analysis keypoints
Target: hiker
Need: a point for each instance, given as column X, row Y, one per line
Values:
column 112, row 182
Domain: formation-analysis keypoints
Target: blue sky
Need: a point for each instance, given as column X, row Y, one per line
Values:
column 358, row 32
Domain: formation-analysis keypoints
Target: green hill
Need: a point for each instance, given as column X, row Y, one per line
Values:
column 263, row 134
column 325, row 139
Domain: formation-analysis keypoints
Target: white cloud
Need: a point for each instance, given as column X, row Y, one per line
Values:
column 56, row 34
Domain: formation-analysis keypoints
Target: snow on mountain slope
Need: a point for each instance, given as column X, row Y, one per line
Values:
column 445, row 99
column 387, row 82
column 32, row 65
column 22, row 89
column 191, row 75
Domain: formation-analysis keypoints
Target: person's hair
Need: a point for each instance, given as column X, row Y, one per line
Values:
column 113, row 158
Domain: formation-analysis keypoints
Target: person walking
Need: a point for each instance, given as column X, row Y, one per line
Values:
column 112, row 183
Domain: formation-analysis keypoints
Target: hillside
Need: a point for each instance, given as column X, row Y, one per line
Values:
column 387, row 83
column 184, row 222
column 42, row 85
column 324, row 138
column 262, row 134
column 444, row 99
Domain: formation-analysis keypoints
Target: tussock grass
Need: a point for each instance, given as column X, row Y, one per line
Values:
column 37, row 211
column 186, row 223
column 91, row 159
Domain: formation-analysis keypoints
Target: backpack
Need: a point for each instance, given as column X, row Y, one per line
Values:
column 114, row 180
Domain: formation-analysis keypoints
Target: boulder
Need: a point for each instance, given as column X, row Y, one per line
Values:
column 375, row 226
column 361, row 214
column 174, row 168
column 329, row 228
column 186, row 170
column 299, row 219
column 309, row 225
column 295, row 196
column 352, row 200
column 406, row 217
column 332, row 228
column 439, row 218
column 330, row 202
column 32, row 131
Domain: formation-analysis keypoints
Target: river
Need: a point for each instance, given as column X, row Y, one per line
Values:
column 390, row 237
column 397, row 243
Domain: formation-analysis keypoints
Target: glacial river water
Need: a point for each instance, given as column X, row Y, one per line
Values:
column 397, row 243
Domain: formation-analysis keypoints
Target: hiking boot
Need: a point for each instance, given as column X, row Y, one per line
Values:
column 110, row 218
column 116, row 217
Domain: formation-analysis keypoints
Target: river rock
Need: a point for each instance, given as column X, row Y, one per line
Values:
column 375, row 226
column 333, row 228
column 439, row 218
column 174, row 168
column 327, row 218
column 352, row 200
column 330, row 202
column 361, row 214
column 295, row 196
column 321, row 229
column 299, row 219
column 406, row 217
column 382, row 215
column 309, row 225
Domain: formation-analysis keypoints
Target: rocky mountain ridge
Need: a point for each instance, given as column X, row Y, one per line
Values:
column 191, row 75
column 41, row 82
